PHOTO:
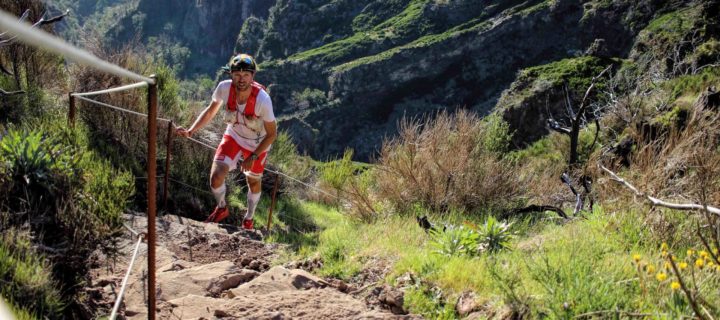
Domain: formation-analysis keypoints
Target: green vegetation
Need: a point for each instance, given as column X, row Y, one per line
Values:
column 554, row 270
column 27, row 278
column 576, row 72
column 673, row 25
column 68, row 199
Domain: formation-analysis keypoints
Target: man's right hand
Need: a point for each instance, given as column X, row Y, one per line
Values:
column 183, row 132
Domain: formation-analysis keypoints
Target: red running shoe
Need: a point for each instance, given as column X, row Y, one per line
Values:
column 248, row 224
column 218, row 215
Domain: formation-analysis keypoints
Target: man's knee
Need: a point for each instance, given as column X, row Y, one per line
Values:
column 254, row 183
column 217, row 174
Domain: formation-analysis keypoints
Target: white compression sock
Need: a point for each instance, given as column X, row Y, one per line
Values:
column 219, row 194
column 252, row 202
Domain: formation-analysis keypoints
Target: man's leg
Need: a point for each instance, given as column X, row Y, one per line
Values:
column 217, row 182
column 253, row 196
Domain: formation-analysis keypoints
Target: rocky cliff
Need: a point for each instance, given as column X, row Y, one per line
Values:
column 207, row 29
column 343, row 72
column 433, row 55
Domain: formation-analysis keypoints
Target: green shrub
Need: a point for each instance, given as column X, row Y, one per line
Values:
column 285, row 157
column 496, row 135
column 71, row 200
column 26, row 279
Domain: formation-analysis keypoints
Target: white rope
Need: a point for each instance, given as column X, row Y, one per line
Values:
column 36, row 37
column 305, row 184
column 189, row 186
column 125, row 280
column 135, row 233
column 141, row 84
column 202, row 143
column 118, row 108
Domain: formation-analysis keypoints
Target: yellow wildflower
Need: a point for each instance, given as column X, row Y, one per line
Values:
column 710, row 264
column 667, row 265
column 661, row 276
column 664, row 246
column 675, row 285
column 700, row 263
column 703, row 254
column 650, row 269
column 664, row 254
column 637, row 257
column 690, row 252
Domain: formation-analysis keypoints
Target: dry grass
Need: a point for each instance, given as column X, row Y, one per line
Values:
column 442, row 163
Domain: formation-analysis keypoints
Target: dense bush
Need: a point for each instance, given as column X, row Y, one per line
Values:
column 450, row 161
column 69, row 199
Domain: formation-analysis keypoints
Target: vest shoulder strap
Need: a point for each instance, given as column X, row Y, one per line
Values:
column 231, row 104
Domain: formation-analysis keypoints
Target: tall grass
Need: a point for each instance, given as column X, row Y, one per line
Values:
column 449, row 161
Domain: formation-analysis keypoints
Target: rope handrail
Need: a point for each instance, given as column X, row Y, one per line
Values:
column 135, row 233
column 125, row 279
column 42, row 39
column 303, row 183
column 276, row 172
column 140, row 84
column 189, row 186
column 118, row 108
column 201, row 143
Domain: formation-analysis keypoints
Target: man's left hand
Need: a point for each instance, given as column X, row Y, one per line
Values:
column 247, row 164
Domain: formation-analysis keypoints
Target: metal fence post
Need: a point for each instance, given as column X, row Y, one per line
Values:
column 71, row 110
column 272, row 203
column 166, row 179
column 151, row 185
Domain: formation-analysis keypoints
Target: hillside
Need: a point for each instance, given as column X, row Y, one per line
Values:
column 525, row 160
column 375, row 61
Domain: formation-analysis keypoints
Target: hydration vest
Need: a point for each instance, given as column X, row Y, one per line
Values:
column 231, row 104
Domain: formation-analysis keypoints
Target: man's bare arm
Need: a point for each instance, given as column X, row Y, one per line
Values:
column 203, row 119
column 270, row 136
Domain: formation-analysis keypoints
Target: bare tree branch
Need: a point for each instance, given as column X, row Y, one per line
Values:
column 40, row 22
column 22, row 18
column 537, row 208
column 658, row 202
column 10, row 93
column 54, row 19
column 557, row 127
column 5, row 70
column 578, row 197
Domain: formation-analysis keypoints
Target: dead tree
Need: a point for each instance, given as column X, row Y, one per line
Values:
column 6, row 42
column 577, row 119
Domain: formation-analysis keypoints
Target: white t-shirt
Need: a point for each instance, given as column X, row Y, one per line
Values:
column 248, row 133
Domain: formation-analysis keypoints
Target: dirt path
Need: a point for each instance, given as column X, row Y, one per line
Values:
column 211, row 271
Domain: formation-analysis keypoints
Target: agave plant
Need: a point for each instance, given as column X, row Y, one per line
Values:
column 455, row 241
column 27, row 156
column 494, row 236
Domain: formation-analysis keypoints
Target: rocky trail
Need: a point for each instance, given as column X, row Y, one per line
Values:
column 211, row 271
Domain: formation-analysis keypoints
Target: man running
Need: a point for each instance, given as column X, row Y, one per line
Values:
column 250, row 132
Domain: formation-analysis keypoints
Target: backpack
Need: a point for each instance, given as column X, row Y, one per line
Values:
column 231, row 105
